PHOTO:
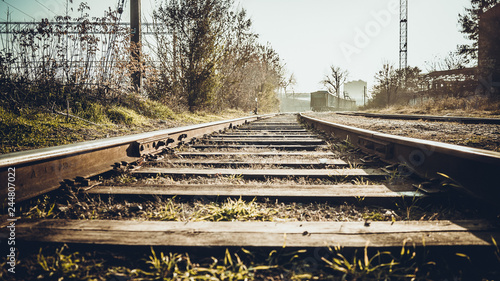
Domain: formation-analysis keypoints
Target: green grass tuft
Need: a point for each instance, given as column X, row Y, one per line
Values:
column 61, row 266
column 149, row 108
column 96, row 113
column 125, row 116
column 233, row 209
column 29, row 129
column 35, row 129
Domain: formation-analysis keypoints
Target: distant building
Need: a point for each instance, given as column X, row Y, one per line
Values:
column 356, row 91
column 465, row 81
column 445, row 83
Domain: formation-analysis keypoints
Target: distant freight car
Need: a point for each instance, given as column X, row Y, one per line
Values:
column 324, row 101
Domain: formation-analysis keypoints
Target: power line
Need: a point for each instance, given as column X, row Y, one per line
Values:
column 18, row 9
column 18, row 26
column 45, row 7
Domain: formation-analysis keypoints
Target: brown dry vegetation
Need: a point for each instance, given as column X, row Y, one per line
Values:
column 37, row 129
column 475, row 106
column 82, row 66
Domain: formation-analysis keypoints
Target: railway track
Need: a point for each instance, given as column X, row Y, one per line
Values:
column 273, row 183
column 468, row 120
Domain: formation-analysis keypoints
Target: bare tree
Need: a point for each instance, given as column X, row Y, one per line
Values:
column 387, row 83
column 289, row 83
column 334, row 81
column 453, row 60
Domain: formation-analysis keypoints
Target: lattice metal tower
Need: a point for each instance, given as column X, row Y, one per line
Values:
column 403, row 34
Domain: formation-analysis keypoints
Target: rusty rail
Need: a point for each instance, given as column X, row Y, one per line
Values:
column 467, row 120
column 42, row 170
column 474, row 169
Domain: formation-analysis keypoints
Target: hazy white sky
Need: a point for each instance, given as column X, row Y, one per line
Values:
column 311, row 35
column 358, row 35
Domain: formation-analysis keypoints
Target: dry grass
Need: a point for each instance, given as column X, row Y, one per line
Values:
column 36, row 129
column 214, row 208
column 478, row 106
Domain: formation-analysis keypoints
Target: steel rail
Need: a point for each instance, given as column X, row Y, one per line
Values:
column 42, row 170
column 473, row 170
column 467, row 120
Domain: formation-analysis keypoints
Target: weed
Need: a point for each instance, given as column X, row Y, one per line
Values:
column 237, row 179
column 60, row 266
column 454, row 185
column 374, row 216
column 341, row 146
column 497, row 249
column 94, row 112
column 408, row 208
column 123, row 115
column 234, row 209
column 360, row 199
column 180, row 267
column 165, row 267
column 397, row 173
column 149, row 108
column 126, row 178
column 353, row 165
column 380, row 266
column 361, row 181
column 34, row 129
column 171, row 211
column 44, row 208
column 329, row 263
column 232, row 268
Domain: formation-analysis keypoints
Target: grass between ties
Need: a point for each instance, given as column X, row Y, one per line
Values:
column 326, row 263
column 329, row 263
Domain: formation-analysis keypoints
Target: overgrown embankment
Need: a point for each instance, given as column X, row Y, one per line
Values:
column 37, row 128
column 206, row 60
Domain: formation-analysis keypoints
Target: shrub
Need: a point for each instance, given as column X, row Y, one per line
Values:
column 148, row 108
column 123, row 115
column 94, row 112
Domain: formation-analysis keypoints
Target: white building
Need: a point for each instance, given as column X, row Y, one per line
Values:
column 356, row 90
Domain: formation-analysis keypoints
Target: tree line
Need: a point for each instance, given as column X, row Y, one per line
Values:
column 209, row 58
column 399, row 86
column 203, row 56
column 66, row 60
column 396, row 86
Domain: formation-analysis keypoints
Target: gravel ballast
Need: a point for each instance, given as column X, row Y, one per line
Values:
column 484, row 136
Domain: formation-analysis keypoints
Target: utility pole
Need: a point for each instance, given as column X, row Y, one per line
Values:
column 7, row 28
column 364, row 95
column 135, row 41
column 403, row 38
